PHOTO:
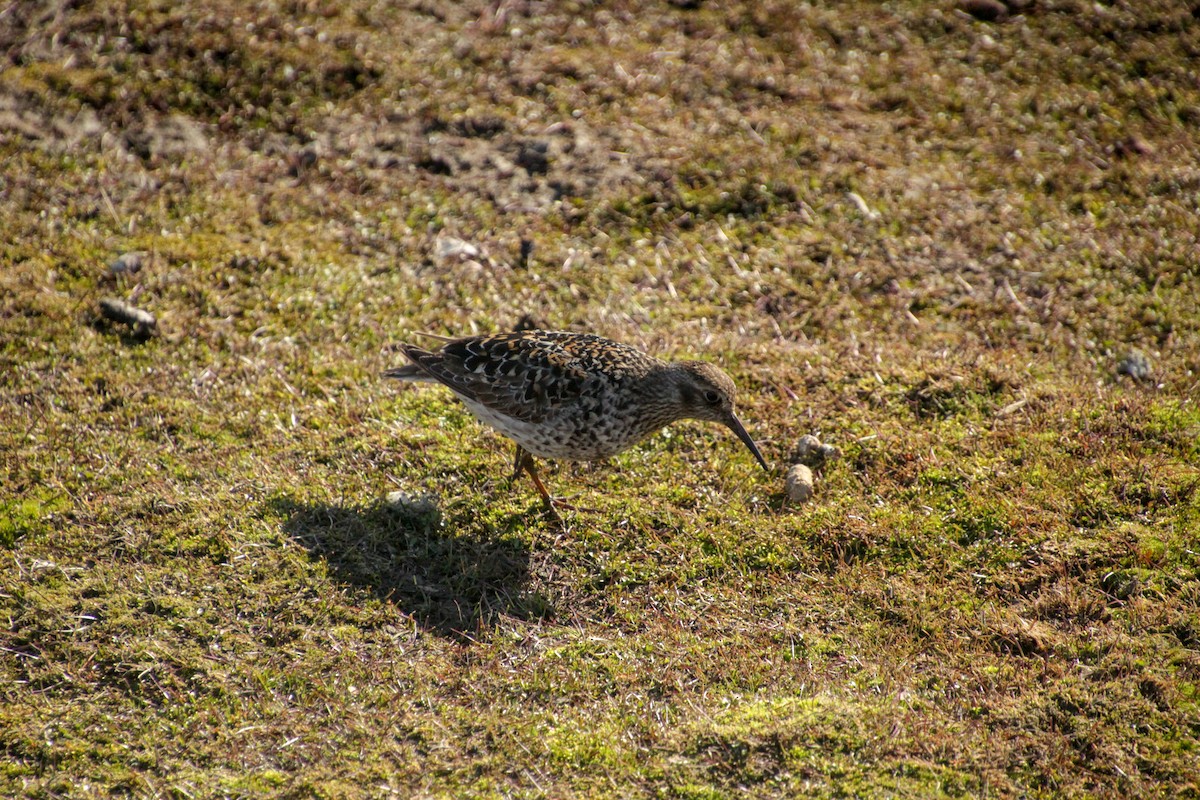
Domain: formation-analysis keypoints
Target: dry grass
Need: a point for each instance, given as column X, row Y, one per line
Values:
column 931, row 239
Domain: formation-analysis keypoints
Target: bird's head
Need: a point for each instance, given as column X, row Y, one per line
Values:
column 706, row 393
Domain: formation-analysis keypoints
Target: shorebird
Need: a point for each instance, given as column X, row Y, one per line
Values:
column 573, row 396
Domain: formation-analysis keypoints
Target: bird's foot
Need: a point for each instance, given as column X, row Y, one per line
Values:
column 556, row 504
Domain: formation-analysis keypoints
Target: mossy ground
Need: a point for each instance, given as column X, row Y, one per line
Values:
column 928, row 238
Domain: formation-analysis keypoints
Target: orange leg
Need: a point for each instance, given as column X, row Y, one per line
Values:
column 524, row 461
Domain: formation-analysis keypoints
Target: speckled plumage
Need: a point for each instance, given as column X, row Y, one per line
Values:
column 573, row 396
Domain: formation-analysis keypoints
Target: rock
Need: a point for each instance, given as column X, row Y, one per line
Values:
column 142, row 322
column 811, row 452
column 129, row 263
column 807, row 448
column 418, row 510
column 1135, row 364
column 451, row 247
column 985, row 10
column 799, row 483
column 829, row 453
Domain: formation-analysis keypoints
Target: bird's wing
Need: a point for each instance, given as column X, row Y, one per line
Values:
column 526, row 375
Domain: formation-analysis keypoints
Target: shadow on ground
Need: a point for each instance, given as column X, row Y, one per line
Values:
column 451, row 584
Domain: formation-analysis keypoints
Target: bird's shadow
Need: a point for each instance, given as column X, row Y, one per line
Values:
column 450, row 583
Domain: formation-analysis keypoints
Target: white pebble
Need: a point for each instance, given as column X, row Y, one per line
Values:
column 412, row 505
column 828, row 452
column 451, row 247
column 129, row 263
column 807, row 447
column 799, row 483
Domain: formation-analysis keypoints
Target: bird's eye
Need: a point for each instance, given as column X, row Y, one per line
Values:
column 712, row 398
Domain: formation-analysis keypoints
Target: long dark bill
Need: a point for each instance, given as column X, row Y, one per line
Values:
column 736, row 426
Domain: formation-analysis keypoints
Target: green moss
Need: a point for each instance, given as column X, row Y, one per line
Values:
column 30, row 515
column 207, row 592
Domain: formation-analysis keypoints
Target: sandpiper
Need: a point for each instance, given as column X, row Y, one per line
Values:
column 574, row 396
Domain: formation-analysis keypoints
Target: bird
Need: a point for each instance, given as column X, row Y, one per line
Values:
column 572, row 396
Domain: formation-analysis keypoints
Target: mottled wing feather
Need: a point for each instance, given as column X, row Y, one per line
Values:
column 527, row 375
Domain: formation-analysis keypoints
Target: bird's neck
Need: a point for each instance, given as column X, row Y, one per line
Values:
column 660, row 395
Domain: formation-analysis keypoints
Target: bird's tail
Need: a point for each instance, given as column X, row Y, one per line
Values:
column 413, row 371
column 409, row 372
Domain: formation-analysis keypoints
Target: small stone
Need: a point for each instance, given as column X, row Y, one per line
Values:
column 129, row 263
column 811, row 452
column 829, row 452
column 419, row 509
column 985, row 10
column 1136, row 365
column 451, row 247
column 799, row 483
column 143, row 322
column 807, row 447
